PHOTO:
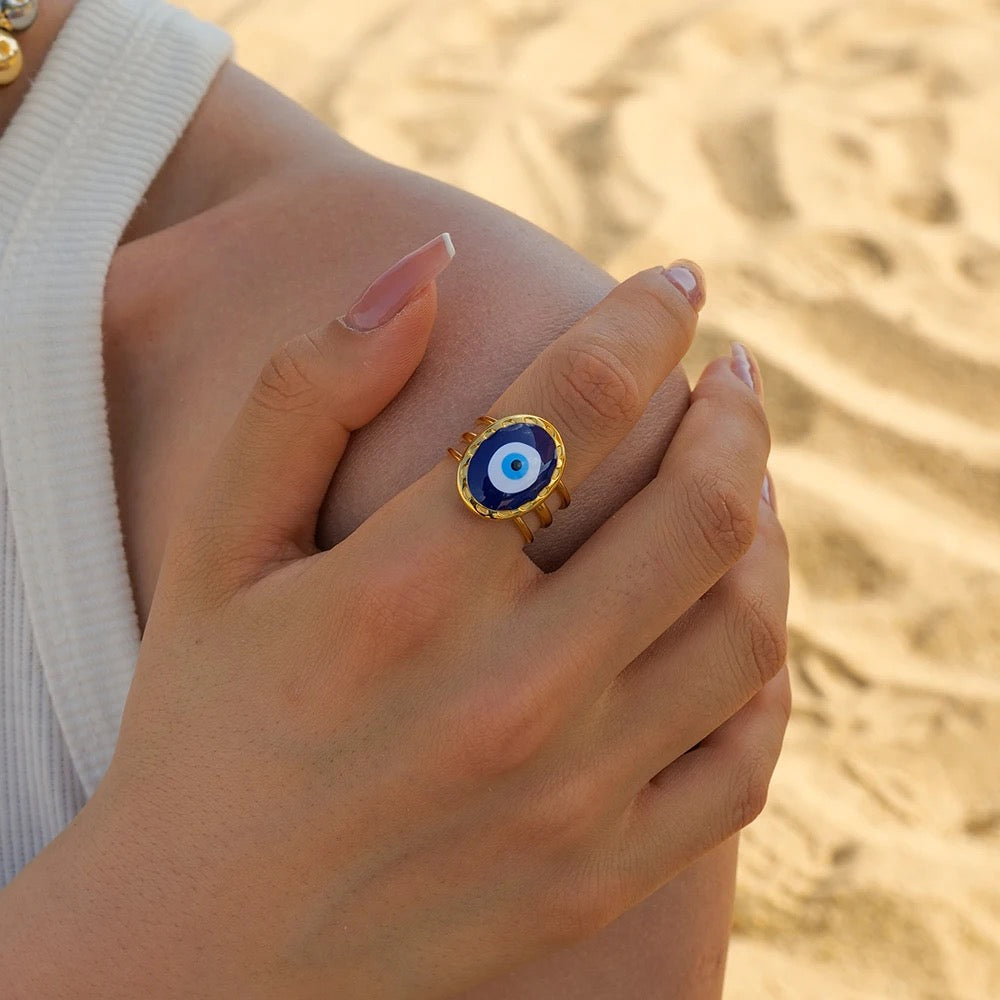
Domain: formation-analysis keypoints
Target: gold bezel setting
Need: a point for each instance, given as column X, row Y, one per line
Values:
column 475, row 440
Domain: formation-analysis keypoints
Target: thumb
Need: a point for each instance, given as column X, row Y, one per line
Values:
column 262, row 494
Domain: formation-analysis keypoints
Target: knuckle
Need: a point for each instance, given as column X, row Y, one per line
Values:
column 497, row 734
column 400, row 603
column 581, row 900
column 596, row 385
column 291, row 378
column 749, row 792
column 724, row 521
column 764, row 637
column 563, row 811
column 588, row 913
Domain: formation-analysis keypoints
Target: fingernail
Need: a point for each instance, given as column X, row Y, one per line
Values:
column 745, row 366
column 393, row 289
column 690, row 279
column 768, row 493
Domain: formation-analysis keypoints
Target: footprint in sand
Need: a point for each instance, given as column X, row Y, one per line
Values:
column 835, row 562
column 742, row 155
column 980, row 264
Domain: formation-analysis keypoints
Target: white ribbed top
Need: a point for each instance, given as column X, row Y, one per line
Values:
column 120, row 83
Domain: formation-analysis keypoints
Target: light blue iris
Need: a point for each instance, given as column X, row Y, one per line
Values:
column 515, row 466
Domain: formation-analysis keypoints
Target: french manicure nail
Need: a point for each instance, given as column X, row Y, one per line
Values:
column 745, row 366
column 768, row 493
column 387, row 295
column 690, row 279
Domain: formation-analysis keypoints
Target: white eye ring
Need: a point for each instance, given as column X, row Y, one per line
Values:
column 511, row 484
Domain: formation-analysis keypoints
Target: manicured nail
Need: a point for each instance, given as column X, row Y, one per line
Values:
column 745, row 366
column 690, row 279
column 768, row 493
column 393, row 289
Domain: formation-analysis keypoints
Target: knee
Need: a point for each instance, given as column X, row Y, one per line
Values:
column 510, row 290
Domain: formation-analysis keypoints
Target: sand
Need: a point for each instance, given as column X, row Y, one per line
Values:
column 835, row 165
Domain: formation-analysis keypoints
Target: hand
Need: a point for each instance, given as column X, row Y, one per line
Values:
column 403, row 766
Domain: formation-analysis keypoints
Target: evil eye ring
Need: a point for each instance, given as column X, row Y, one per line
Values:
column 510, row 467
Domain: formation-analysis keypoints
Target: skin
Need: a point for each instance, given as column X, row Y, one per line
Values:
column 288, row 698
column 267, row 214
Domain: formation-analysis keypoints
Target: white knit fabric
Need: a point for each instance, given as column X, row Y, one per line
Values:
column 120, row 84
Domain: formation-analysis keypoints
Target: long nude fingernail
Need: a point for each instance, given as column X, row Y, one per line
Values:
column 746, row 367
column 690, row 279
column 389, row 293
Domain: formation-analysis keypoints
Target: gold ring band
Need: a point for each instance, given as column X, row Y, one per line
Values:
column 510, row 467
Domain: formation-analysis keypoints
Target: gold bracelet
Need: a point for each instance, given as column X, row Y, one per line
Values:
column 15, row 15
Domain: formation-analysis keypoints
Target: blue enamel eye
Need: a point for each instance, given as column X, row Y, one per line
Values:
column 512, row 466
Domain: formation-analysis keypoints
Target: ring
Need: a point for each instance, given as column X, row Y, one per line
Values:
column 510, row 467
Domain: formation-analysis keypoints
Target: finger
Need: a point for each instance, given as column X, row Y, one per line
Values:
column 701, row 799
column 260, row 499
column 667, row 545
column 595, row 381
column 592, row 383
column 702, row 671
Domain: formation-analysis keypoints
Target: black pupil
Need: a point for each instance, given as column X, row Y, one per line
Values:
column 516, row 465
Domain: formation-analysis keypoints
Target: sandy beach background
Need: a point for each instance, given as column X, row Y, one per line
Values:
column 835, row 166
